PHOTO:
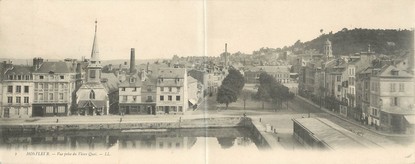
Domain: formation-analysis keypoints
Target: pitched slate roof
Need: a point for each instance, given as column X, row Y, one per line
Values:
column 171, row 73
column 110, row 81
column 137, row 82
column 56, row 67
column 20, row 69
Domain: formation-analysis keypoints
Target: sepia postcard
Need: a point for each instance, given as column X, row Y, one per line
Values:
column 207, row 81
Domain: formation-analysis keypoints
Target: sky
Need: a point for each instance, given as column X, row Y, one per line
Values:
column 163, row 28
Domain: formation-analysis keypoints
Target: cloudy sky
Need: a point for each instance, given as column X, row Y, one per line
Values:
column 162, row 28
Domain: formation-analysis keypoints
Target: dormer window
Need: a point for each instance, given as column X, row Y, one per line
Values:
column 132, row 80
column 395, row 72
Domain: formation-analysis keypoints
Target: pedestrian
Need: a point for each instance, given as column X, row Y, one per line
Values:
column 120, row 119
column 244, row 114
column 57, row 120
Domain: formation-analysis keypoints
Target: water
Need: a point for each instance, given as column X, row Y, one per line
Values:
column 172, row 139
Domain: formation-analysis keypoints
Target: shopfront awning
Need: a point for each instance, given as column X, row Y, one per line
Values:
column 193, row 101
column 410, row 119
column 92, row 103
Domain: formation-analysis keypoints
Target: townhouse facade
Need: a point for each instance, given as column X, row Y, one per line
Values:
column 391, row 99
column 137, row 96
column 54, row 87
column 171, row 93
column 17, row 91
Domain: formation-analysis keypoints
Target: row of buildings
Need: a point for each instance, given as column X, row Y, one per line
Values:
column 372, row 88
column 71, row 87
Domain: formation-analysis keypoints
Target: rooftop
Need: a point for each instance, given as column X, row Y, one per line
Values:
column 56, row 67
column 332, row 134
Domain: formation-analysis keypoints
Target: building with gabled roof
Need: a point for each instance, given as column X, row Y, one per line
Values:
column 17, row 91
column 54, row 87
column 172, row 91
column 92, row 96
column 392, row 99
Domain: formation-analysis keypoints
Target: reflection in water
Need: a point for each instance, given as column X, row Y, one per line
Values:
column 95, row 140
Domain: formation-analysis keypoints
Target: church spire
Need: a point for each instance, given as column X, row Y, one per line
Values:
column 95, row 51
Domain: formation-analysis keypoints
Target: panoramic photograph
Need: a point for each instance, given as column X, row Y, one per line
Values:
column 207, row 81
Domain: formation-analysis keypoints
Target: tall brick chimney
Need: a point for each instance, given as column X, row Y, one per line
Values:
column 132, row 61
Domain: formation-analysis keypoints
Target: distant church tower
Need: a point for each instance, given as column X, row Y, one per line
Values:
column 94, row 66
column 328, row 54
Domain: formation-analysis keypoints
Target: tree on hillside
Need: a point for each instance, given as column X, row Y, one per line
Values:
column 231, row 87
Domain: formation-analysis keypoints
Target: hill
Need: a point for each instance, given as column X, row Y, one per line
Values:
column 383, row 41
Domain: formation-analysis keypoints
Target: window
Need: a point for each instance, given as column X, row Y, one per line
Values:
column 10, row 89
column 149, row 89
column 18, row 100
column 61, row 109
column 123, row 89
column 339, row 87
column 19, row 77
column 134, row 98
column 401, row 87
column 50, row 96
column 50, row 86
column 9, row 99
column 40, row 96
column 392, row 87
column 60, row 96
column 178, row 89
column 18, row 89
column 170, row 89
column 177, row 98
column 170, row 98
column 62, row 77
column 92, row 95
column 161, row 98
column 180, row 109
column 27, row 77
column 124, row 98
column 49, row 109
column 394, row 101
column 26, row 100
column 40, row 86
column 395, row 72
column 92, row 73
column 41, row 77
column 26, row 89
column 10, row 77
column 149, row 98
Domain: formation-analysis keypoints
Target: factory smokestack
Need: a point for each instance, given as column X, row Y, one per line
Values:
column 132, row 61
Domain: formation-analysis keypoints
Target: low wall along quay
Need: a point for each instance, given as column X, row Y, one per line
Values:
column 257, row 129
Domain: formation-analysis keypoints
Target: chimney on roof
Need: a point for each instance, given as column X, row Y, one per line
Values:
column 132, row 61
column 78, row 67
column 37, row 62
